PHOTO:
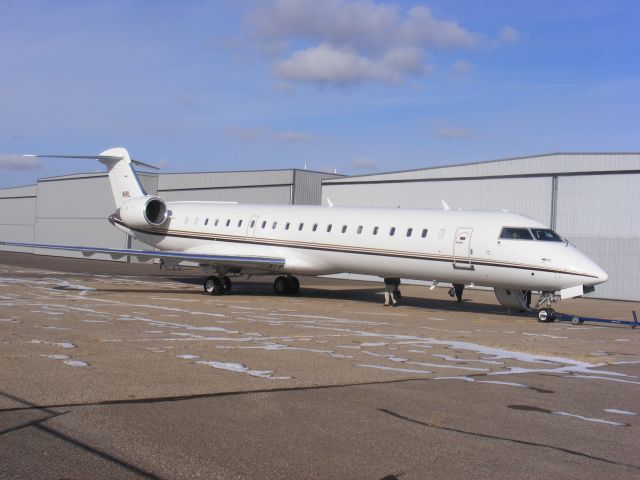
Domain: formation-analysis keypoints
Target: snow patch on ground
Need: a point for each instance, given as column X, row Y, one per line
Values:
column 241, row 368
column 393, row 369
column 619, row 412
column 588, row 419
column 76, row 363
column 67, row 360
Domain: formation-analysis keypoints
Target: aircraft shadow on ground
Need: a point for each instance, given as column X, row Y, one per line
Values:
column 365, row 295
column 257, row 288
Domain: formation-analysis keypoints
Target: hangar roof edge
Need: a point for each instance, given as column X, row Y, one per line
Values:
column 392, row 174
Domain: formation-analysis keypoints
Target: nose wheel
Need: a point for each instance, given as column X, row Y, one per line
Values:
column 546, row 315
column 286, row 285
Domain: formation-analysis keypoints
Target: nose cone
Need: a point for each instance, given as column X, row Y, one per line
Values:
column 595, row 274
column 581, row 264
column 601, row 274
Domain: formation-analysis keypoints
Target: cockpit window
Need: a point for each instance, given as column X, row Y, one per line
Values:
column 546, row 235
column 513, row 233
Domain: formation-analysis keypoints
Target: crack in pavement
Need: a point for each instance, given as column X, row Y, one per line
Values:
column 507, row 439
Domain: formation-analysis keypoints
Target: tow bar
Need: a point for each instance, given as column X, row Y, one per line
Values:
column 575, row 320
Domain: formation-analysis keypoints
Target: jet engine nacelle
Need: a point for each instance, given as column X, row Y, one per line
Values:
column 144, row 211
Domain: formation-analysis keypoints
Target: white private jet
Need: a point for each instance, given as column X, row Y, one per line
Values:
column 512, row 253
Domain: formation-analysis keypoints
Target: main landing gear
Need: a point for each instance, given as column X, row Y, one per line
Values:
column 286, row 285
column 217, row 286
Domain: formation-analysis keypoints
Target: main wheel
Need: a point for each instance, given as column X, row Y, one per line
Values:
column 213, row 286
column 227, row 284
column 546, row 315
column 281, row 285
column 294, row 284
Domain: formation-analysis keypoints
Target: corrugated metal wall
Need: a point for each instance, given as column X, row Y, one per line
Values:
column 213, row 180
column 530, row 196
column 149, row 182
column 273, row 195
column 17, row 216
column 554, row 163
column 73, row 211
column 272, row 187
column 307, row 186
column 600, row 215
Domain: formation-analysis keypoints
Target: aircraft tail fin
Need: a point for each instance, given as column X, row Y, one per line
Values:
column 124, row 181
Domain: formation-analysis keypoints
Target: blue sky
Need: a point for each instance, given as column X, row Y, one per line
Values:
column 360, row 86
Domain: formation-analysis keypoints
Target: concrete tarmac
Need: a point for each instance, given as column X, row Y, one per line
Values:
column 114, row 370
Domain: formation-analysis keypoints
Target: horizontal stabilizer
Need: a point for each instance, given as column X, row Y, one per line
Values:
column 95, row 157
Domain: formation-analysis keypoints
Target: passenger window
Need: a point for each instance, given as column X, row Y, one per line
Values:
column 344, row 229
column 228, row 221
column 286, row 227
column 329, row 227
column 409, row 231
column 392, row 232
column 315, row 227
column 546, row 235
column 264, row 224
column 275, row 224
column 239, row 223
column 253, row 222
column 512, row 233
column 424, row 232
column 215, row 224
column 206, row 221
column 300, row 226
column 359, row 230
column 375, row 230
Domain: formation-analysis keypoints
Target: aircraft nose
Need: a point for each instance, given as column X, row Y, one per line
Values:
column 598, row 274
column 602, row 275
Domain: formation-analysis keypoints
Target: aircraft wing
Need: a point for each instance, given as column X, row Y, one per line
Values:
column 261, row 263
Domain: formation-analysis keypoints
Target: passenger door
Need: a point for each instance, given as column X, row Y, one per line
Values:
column 462, row 250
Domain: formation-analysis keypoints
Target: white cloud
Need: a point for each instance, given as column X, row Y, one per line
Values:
column 294, row 137
column 11, row 161
column 462, row 67
column 328, row 64
column 347, row 41
column 254, row 134
column 247, row 134
column 364, row 164
column 509, row 35
column 442, row 130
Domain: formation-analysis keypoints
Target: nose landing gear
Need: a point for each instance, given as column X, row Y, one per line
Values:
column 546, row 314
